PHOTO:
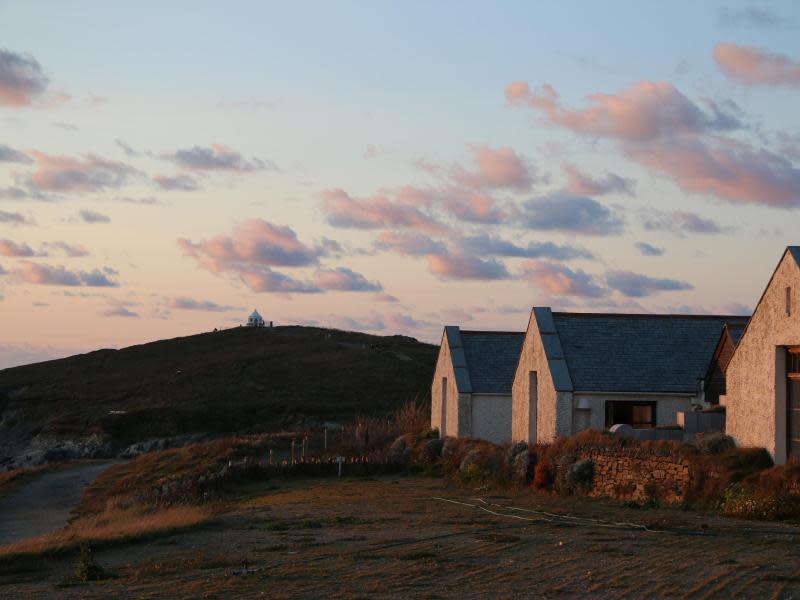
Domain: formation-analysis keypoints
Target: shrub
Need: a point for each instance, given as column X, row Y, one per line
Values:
column 716, row 443
column 581, row 475
column 543, row 476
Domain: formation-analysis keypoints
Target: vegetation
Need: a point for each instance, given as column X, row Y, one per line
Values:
column 241, row 380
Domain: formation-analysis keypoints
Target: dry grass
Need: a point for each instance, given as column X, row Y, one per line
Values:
column 115, row 523
column 15, row 476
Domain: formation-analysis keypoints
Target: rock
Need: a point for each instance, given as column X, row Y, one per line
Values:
column 450, row 447
column 623, row 430
column 471, row 460
column 432, row 450
column 522, row 467
column 156, row 444
column 514, row 450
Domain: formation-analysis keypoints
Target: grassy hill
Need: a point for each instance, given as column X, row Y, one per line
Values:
column 241, row 379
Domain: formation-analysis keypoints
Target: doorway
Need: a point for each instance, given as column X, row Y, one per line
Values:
column 793, row 402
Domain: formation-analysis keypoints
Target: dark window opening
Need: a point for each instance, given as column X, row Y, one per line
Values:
column 639, row 415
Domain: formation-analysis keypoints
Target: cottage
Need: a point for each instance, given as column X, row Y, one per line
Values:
column 717, row 369
column 762, row 396
column 471, row 391
column 586, row 370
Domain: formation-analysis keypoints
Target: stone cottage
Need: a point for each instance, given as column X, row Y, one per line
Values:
column 762, row 396
column 471, row 390
column 589, row 370
column 718, row 367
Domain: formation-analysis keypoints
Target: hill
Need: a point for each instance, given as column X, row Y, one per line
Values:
column 236, row 380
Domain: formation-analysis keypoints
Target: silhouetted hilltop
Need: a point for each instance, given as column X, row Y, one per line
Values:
column 242, row 379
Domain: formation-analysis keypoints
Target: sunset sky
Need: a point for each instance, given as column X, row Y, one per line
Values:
column 166, row 167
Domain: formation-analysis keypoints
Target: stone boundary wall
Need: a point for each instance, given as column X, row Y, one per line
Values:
column 628, row 476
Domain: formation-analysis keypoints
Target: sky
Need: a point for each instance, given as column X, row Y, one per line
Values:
column 389, row 167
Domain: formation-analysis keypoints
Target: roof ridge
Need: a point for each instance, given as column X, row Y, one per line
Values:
column 649, row 315
column 491, row 332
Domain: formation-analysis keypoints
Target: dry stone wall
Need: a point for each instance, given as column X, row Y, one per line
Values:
column 627, row 476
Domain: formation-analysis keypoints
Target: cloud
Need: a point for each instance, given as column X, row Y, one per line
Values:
column 386, row 298
column 755, row 66
column 648, row 249
column 18, row 193
column 75, row 175
column 218, row 158
column 459, row 265
column 21, row 79
column 343, row 279
column 119, row 311
column 636, row 285
column 13, row 249
column 264, row 279
column 90, row 216
column 30, row 272
column 474, row 207
column 184, row 303
column 3, row 271
column 8, row 154
column 371, row 322
column 71, row 250
column 385, row 210
column 408, row 243
column 496, row 168
column 728, row 169
column 568, row 213
column 176, row 182
column 489, row 245
column 645, row 111
column 750, row 16
column 15, row 218
column 254, row 247
column 254, row 242
column 583, row 185
column 403, row 322
column 679, row 223
column 560, row 280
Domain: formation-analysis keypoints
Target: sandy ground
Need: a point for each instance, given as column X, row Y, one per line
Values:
column 418, row 538
column 44, row 504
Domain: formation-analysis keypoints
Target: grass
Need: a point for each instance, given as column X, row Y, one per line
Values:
column 115, row 523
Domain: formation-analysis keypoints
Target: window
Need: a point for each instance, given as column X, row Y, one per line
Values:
column 788, row 302
column 639, row 415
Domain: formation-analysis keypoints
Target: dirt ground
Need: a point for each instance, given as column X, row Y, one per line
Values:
column 419, row 538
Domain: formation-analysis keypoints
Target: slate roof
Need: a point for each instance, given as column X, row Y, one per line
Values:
column 638, row 353
column 491, row 358
column 735, row 330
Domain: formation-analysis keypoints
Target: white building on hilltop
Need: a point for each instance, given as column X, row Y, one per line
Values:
column 255, row 320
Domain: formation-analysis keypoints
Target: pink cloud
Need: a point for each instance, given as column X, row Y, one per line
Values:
column 384, row 210
column 14, row 249
column 562, row 281
column 87, row 174
column 497, row 168
column 343, row 279
column 723, row 167
column 474, row 207
column 37, row 273
column 645, row 111
column 21, row 79
column 409, row 243
column 459, row 265
column 755, row 66
column 218, row 157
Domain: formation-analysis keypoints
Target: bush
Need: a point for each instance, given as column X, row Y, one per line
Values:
column 716, row 443
column 543, row 476
column 747, row 502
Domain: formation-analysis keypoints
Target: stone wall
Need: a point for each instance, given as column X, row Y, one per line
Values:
column 631, row 476
column 756, row 377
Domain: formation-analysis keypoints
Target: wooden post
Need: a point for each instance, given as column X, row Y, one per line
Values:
column 270, row 457
column 292, row 450
column 325, row 439
column 303, row 449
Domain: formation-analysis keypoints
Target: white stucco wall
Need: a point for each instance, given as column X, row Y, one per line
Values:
column 667, row 408
column 756, row 390
column 491, row 417
column 533, row 423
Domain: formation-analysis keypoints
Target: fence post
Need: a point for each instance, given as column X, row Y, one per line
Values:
column 325, row 439
column 292, row 451
column 270, row 457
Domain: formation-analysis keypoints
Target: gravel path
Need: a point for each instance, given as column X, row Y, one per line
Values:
column 44, row 505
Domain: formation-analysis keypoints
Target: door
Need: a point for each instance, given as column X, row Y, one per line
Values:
column 793, row 402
